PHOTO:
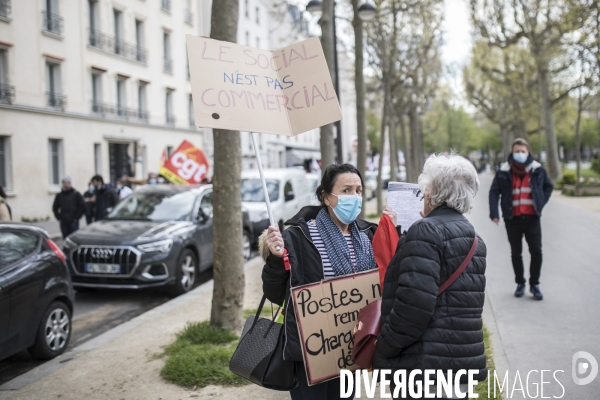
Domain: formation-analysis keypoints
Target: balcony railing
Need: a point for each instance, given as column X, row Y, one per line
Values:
column 7, row 93
column 117, row 111
column 117, row 46
column 5, row 8
column 189, row 17
column 166, row 5
column 56, row 100
column 170, row 119
column 168, row 65
column 52, row 23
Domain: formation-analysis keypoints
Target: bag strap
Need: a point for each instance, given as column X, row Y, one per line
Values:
column 257, row 316
column 460, row 269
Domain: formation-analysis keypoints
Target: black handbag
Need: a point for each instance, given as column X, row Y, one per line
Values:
column 259, row 354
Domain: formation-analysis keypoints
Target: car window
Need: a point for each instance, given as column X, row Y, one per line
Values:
column 252, row 190
column 16, row 245
column 206, row 205
column 155, row 206
column 288, row 191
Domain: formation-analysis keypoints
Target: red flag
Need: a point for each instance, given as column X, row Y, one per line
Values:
column 384, row 244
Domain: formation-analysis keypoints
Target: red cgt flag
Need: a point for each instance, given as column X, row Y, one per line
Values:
column 187, row 165
column 384, row 244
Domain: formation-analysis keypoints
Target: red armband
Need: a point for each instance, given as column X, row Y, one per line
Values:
column 286, row 260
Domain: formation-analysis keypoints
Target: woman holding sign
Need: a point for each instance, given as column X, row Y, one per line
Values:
column 431, row 307
column 322, row 242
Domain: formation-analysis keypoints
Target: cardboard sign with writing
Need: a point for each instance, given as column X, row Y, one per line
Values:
column 285, row 92
column 187, row 165
column 327, row 312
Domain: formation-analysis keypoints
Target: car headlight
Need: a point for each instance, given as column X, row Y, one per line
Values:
column 257, row 216
column 69, row 244
column 161, row 246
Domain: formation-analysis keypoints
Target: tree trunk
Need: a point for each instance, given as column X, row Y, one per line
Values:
column 393, row 146
column 417, row 144
column 408, row 163
column 326, row 23
column 380, row 205
column 578, row 137
column 228, row 269
column 359, row 85
column 546, row 106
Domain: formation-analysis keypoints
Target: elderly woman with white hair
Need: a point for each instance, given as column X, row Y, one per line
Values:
column 422, row 328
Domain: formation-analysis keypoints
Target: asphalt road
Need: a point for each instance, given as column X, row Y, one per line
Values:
column 95, row 312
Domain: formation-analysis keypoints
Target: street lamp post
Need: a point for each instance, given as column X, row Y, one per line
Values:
column 366, row 12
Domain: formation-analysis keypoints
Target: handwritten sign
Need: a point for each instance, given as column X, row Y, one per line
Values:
column 284, row 92
column 187, row 165
column 326, row 312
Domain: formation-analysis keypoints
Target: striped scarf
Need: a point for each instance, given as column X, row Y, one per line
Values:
column 338, row 250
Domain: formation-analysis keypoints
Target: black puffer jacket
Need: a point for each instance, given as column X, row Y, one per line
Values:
column 419, row 329
column 68, row 206
column 306, row 267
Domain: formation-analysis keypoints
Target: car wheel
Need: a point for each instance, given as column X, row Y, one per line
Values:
column 185, row 273
column 247, row 248
column 53, row 332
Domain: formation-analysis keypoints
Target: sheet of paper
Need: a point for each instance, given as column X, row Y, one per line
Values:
column 406, row 199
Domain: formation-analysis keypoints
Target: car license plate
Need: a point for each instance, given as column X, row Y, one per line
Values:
column 103, row 268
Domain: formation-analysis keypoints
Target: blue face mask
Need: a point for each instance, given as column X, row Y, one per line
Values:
column 152, row 181
column 348, row 207
column 520, row 157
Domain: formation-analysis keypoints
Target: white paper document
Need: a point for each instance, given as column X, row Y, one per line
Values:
column 406, row 199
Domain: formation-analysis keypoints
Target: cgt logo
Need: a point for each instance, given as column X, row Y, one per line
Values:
column 581, row 367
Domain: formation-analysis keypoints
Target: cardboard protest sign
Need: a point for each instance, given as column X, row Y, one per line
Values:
column 284, row 92
column 327, row 312
column 187, row 165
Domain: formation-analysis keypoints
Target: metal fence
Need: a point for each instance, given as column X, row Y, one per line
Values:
column 117, row 46
column 52, row 23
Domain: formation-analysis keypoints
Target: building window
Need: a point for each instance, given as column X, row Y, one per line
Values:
column 118, row 25
column 5, row 9
column 52, row 21
column 170, row 119
column 5, row 163
column 54, row 97
column 189, row 15
column 121, row 100
column 7, row 92
column 257, row 16
column 93, row 8
column 246, row 9
column 142, row 108
column 247, row 38
column 166, row 5
column 140, row 53
column 96, row 92
column 191, row 111
column 55, row 156
column 98, row 158
column 169, row 151
column 168, row 64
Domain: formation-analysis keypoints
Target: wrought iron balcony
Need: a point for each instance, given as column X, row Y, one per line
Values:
column 189, row 16
column 117, row 46
column 114, row 110
column 56, row 100
column 5, row 8
column 7, row 93
column 52, row 23
column 170, row 120
column 168, row 65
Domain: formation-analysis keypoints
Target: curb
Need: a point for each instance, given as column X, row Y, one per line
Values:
column 11, row 387
column 498, row 352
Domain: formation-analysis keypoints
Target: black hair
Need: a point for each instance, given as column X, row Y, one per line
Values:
column 98, row 178
column 330, row 175
column 2, row 192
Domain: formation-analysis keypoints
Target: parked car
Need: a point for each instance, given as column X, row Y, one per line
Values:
column 288, row 189
column 36, row 296
column 160, row 235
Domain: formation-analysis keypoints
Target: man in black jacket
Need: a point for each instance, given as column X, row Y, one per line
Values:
column 105, row 197
column 524, row 188
column 68, row 208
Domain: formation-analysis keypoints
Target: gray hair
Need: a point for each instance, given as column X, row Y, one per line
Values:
column 449, row 179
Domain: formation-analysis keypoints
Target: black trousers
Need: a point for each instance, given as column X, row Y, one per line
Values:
column 67, row 228
column 329, row 390
column 528, row 225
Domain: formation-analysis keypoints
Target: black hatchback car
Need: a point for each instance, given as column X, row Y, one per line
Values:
column 36, row 296
column 161, row 235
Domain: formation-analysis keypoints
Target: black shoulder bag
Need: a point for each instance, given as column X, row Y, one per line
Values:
column 259, row 354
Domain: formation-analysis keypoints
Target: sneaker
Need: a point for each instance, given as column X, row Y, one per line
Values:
column 537, row 294
column 520, row 290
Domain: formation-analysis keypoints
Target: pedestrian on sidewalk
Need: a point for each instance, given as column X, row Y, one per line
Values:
column 106, row 197
column 89, row 198
column 420, row 328
column 5, row 211
column 524, row 188
column 322, row 242
column 123, row 189
column 68, row 207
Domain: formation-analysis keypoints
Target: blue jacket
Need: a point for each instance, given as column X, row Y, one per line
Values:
column 541, row 189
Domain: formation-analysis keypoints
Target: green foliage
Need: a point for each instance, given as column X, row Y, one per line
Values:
column 200, row 357
column 596, row 165
column 569, row 178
